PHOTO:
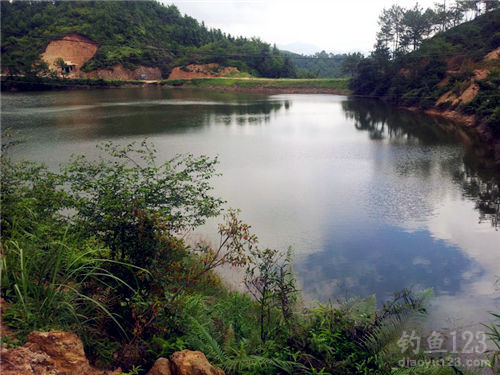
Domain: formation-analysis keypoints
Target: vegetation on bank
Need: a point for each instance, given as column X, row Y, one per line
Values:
column 421, row 55
column 340, row 84
column 96, row 248
column 130, row 33
column 37, row 83
column 32, row 83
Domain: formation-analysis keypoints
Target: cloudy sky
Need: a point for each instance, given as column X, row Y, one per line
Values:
column 332, row 25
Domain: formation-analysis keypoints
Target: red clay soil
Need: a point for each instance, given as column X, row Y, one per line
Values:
column 119, row 72
column 493, row 55
column 201, row 71
column 72, row 47
column 78, row 49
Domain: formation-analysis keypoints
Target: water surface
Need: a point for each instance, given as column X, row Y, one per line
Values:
column 371, row 198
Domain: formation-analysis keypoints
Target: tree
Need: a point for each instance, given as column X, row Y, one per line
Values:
column 270, row 280
column 457, row 11
column 61, row 65
column 391, row 27
column 351, row 62
column 41, row 69
column 491, row 5
column 118, row 198
column 443, row 15
column 417, row 26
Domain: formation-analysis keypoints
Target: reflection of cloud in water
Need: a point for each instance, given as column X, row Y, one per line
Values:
column 382, row 259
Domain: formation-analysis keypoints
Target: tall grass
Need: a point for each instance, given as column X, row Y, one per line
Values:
column 56, row 283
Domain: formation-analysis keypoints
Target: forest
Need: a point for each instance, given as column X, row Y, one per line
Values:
column 320, row 65
column 131, row 33
column 422, row 54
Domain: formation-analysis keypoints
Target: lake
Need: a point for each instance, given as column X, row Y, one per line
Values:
column 371, row 198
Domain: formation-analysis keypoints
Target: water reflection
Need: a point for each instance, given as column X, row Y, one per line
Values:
column 382, row 259
column 100, row 114
column 382, row 121
column 484, row 192
column 371, row 198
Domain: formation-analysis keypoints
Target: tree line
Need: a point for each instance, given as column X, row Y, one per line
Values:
column 415, row 49
column 402, row 30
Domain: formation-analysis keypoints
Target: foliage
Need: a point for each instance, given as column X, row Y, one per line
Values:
column 117, row 196
column 320, row 65
column 131, row 33
column 48, row 274
column 263, row 83
column 48, row 80
column 494, row 335
column 269, row 279
column 417, row 78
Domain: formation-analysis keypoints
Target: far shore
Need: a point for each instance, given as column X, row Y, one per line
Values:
column 338, row 86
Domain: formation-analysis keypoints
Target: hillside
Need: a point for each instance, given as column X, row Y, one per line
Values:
column 456, row 73
column 129, row 34
column 318, row 65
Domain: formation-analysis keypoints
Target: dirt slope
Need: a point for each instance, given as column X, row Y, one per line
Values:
column 201, row 71
column 73, row 47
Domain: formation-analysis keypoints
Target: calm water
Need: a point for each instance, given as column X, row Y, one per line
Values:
column 371, row 198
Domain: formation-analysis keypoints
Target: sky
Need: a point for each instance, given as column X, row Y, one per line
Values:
column 332, row 25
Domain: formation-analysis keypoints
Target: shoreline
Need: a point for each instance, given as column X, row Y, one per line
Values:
column 257, row 85
column 471, row 125
column 268, row 90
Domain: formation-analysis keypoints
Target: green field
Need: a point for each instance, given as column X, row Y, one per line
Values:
column 338, row 84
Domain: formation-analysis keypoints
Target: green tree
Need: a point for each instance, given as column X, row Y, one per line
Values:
column 61, row 65
column 112, row 193
column 351, row 62
column 443, row 15
column 417, row 26
column 391, row 27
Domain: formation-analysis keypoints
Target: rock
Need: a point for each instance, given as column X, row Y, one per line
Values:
column 48, row 353
column 190, row 362
column 161, row 367
column 22, row 361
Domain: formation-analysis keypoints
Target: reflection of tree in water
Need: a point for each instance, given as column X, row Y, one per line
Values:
column 485, row 192
column 159, row 112
column 259, row 112
column 383, row 121
column 254, row 113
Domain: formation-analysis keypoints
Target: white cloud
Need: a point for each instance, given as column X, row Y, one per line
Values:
column 338, row 26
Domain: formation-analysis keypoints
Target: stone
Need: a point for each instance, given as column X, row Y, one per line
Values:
column 48, row 353
column 188, row 362
column 161, row 367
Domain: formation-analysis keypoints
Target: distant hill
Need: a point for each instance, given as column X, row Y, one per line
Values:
column 300, row 48
column 132, row 34
column 456, row 72
column 318, row 65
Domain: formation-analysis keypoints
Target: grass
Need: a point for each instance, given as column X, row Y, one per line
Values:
column 28, row 83
column 340, row 84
